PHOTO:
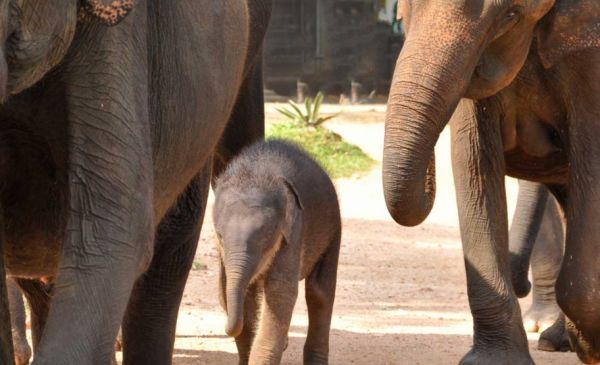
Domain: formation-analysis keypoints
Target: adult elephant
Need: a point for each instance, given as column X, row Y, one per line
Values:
column 105, row 161
column 528, row 74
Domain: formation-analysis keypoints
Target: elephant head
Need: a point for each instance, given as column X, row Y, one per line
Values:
column 38, row 33
column 453, row 49
column 251, row 225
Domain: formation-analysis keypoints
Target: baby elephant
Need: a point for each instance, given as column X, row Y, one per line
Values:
column 277, row 218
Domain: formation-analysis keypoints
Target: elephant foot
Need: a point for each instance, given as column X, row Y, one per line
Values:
column 555, row 338
column 495, row 356
column 315, row 358
column 541, row 316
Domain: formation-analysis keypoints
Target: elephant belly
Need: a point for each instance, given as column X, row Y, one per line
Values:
column 33, row 256
column 552, row 169
column 534, row 128
column 198, row 71
column 34, row 194
column 34, row 221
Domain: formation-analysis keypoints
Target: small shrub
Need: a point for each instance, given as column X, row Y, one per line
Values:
column 310, row 116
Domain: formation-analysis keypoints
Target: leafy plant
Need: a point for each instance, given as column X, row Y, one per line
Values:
column 310, row 116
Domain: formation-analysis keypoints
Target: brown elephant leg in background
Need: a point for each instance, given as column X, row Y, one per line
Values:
column 545, row 265
column 154, row 303
column 320, row 296
column 478, row 166
column 555, row 337
column 38, row 297
column 18, row 319
column 251, row 316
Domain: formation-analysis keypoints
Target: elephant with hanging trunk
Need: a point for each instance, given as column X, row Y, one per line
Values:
column 112, row 110
column 522, row 79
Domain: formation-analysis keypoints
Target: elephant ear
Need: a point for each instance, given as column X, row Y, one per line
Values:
column 109, row 12
column 570, row 27
column 292, row 189
column 292, row 230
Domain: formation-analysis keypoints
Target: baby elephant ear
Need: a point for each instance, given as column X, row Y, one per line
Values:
column 109, row 12
column 294, row 192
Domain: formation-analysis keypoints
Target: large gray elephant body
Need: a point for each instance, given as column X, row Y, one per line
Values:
column 106, row 162
column 528, row 74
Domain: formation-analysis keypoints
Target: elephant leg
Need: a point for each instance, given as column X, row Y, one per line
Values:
column 577, row 286
column 478, row 166
column 531, row 205
column 279, row 298
column 545, row 266
column 151, row 318
column 320, row 296
column 251, row 311
column 555, row 337
column 18, row 319
column 109, row 234
column 38, row 297
column 247, row 122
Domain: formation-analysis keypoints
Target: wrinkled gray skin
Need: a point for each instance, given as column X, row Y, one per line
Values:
column 39, row 296
column 522, row 79
column 537, row 236
column 277, row 218
column 245, row 127
column 105, row 163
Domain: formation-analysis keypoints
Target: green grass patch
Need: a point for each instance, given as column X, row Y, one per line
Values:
column 339, row 158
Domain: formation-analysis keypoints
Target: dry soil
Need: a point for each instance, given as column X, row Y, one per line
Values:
column 401, row 295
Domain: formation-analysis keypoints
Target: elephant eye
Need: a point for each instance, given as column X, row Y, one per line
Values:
column 510, row 15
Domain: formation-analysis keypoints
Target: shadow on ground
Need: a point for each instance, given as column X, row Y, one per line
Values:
column 374, row 349
column 401, row 299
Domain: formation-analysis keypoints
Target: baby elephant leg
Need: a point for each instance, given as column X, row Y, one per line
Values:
column 320, row 295
column 245, row 339
column 280, row 294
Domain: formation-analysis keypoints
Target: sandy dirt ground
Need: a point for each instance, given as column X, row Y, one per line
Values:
column 401, row 295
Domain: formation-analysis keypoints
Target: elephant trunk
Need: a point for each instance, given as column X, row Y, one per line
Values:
column 239, row 271
column 526, row 223
column 429, row 81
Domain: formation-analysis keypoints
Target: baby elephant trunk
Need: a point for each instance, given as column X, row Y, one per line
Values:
column 239, row 273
